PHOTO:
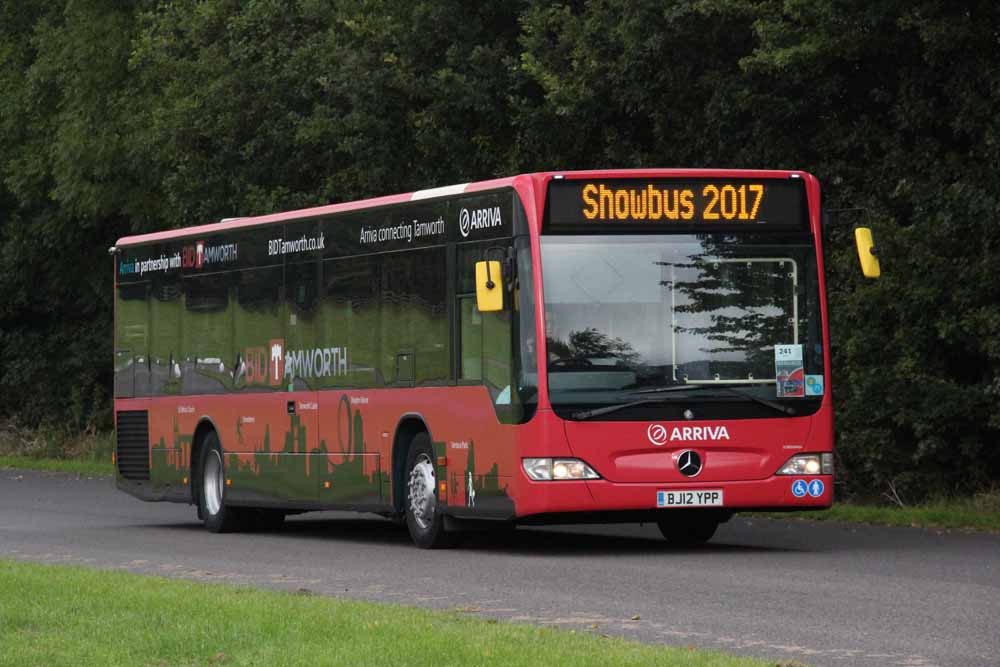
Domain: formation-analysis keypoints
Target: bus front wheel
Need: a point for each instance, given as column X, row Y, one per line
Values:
column 423, row 516
column 212, row 508
column 687, row 531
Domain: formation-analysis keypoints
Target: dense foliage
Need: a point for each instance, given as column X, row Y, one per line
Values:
column 120, row 117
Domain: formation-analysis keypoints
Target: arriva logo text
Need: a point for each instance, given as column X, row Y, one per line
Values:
column 699, row 433
column 657, row 433
column 480, row 218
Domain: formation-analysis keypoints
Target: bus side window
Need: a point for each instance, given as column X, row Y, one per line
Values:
column 470, row 320
column 165, row 335
column 485, row 349
column 350, row 318
column 414, row 324
column 471, row 339
column 132, row 345
column 497, row 370
column 206, row 335
column 259, row 322
column 302, row 326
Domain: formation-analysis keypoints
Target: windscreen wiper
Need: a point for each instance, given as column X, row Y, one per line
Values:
column 597, row 412
column 725, row 387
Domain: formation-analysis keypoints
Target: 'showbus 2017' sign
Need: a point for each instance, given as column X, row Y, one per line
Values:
column 659, row 204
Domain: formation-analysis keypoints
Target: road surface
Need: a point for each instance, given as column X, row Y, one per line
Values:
column 822, row 594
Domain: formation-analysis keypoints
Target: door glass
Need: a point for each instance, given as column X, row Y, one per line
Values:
column 472, row 339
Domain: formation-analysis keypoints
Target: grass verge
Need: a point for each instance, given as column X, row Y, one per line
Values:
column 981, row 512
column 61, row 450
column 60, row 615
column 57, row 465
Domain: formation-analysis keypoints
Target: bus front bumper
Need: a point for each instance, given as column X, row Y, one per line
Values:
column 777, row 493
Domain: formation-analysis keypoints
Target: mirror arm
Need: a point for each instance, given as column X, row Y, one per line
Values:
column 486, row 256
column 489, row 280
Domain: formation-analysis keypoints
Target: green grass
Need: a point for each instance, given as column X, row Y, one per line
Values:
column 59, row 615
column 981, row 512
column 57, row 465
column 56, row 449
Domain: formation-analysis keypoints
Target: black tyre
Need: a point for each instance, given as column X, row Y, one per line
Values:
column 687, row 531
column 424, row 521
column 212, row 508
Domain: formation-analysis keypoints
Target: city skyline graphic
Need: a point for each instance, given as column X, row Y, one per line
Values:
column 296, row 472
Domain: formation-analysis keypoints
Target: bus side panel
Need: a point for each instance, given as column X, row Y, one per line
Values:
column 359, row 426
column 352, row 450
column 271, row 455
column 341, row 457
column 172, row 422
column 272, row 448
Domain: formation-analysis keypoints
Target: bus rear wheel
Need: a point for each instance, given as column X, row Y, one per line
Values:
column 687, row 531
column 423, row 517
column 218, row 517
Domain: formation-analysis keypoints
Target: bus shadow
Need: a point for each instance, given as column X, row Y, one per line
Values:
column 569, row 543
column 551, row 541
column 368, row 529
column 519, row 541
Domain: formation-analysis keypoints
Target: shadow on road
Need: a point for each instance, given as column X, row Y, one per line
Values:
column 552, row 541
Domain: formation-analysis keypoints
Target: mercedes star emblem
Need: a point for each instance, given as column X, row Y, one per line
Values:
column 689, row 463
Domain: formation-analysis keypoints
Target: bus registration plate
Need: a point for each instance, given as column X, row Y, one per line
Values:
column 693, row 498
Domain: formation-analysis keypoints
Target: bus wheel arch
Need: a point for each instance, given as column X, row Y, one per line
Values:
column 409, row 427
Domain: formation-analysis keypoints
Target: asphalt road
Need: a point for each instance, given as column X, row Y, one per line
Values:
column 818, row 593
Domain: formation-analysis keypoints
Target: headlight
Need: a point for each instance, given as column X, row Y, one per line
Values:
column 549, row 470
column 808, row 464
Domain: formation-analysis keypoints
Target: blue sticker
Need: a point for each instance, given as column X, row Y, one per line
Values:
column 814, row 385
column 661, row 498
column 816, row 488
column 799, row 488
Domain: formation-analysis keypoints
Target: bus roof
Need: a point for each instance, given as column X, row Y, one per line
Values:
column 540, row 178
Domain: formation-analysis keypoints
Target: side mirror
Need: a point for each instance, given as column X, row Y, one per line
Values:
column 489, row 286
column 866, row 252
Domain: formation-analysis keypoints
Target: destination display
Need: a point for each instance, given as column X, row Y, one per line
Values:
column 574, row 205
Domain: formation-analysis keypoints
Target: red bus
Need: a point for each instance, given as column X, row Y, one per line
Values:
column 600, row 346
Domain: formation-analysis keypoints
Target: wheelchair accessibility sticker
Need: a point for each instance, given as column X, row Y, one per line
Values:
column 801, row 488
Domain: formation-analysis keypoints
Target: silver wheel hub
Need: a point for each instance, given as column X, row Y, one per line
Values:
column 421, row 492
column 212, row 483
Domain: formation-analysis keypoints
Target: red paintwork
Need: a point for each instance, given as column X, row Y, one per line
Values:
column 753, row 450
column 456, row 416
column 633, row 468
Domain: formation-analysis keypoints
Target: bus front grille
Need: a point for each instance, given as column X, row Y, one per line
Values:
column 132, row 451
